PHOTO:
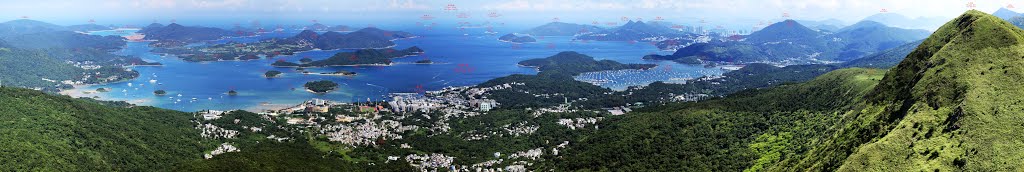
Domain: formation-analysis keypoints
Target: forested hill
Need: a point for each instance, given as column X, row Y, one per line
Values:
column 750, row 129
column 57, row 133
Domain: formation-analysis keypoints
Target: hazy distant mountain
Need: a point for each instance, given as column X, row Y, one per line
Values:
column 363, row 38
column 897, row 20
column 1017, row 21
column 26, row 26
column 828, row 24
column 1005, row 14
column 179, row 33
column 885, row 59
column 31, row 34
column 64, row 40
column 789, row 42
column 88, row 27
column 316, row 27
column 562, row 29
column 783, row 42
column 151, row 27
column 868, row 36
column 633, row 31
column 341, row 28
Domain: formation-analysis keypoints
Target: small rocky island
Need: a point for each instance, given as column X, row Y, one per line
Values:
column 514, row 38
column 160, row 92
column 232, row 93
column 272, row 74
column 425, row 61
column 340, row 73
column 321, row 86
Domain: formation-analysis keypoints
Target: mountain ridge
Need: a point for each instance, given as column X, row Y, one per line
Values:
column 919, row 115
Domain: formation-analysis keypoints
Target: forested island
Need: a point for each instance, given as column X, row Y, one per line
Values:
column 340, row 73
column 359, row 57
column 272, row 74
column 321, row 86
column 513, row 38
column 367, row 38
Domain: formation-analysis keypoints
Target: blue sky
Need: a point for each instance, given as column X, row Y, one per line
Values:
column 744, row 12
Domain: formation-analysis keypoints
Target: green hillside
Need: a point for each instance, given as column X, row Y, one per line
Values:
column 953, row 104
column 58, row 133
column 750, row 129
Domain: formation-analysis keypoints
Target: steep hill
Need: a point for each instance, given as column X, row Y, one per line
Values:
column 953, row 104
column 57, row 133
column 783, row 31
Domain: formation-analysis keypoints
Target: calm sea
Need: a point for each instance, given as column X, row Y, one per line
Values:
column 460, row 59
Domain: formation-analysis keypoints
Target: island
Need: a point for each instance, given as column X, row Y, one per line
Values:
column 513, row 38
column 305, row 60
column 160, row 92
column 340, row 73
column 424, row 61
column 175, row 34
column 307, row 40
column 272, row 74
column 321, row 86
column 379, row 57
column 636, row 31
column 103, row 90
column 232, row 93
column 562, row 29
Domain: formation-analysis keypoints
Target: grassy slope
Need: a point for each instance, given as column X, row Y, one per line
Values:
column 46, row 132
column 722, row 134
column 952, row 104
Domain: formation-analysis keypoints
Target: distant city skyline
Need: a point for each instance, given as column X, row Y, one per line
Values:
column 731, row 12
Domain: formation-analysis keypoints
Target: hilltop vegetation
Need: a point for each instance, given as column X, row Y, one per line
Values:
column 948, row 106
column 46, row 69
column 57, row 133
column 749, row 129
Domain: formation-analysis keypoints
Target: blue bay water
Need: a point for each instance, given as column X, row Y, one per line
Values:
column 202, row 85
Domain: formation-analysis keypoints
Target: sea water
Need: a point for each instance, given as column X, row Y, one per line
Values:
column 460, row 59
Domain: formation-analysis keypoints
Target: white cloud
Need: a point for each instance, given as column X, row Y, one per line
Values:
column 407, row 5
